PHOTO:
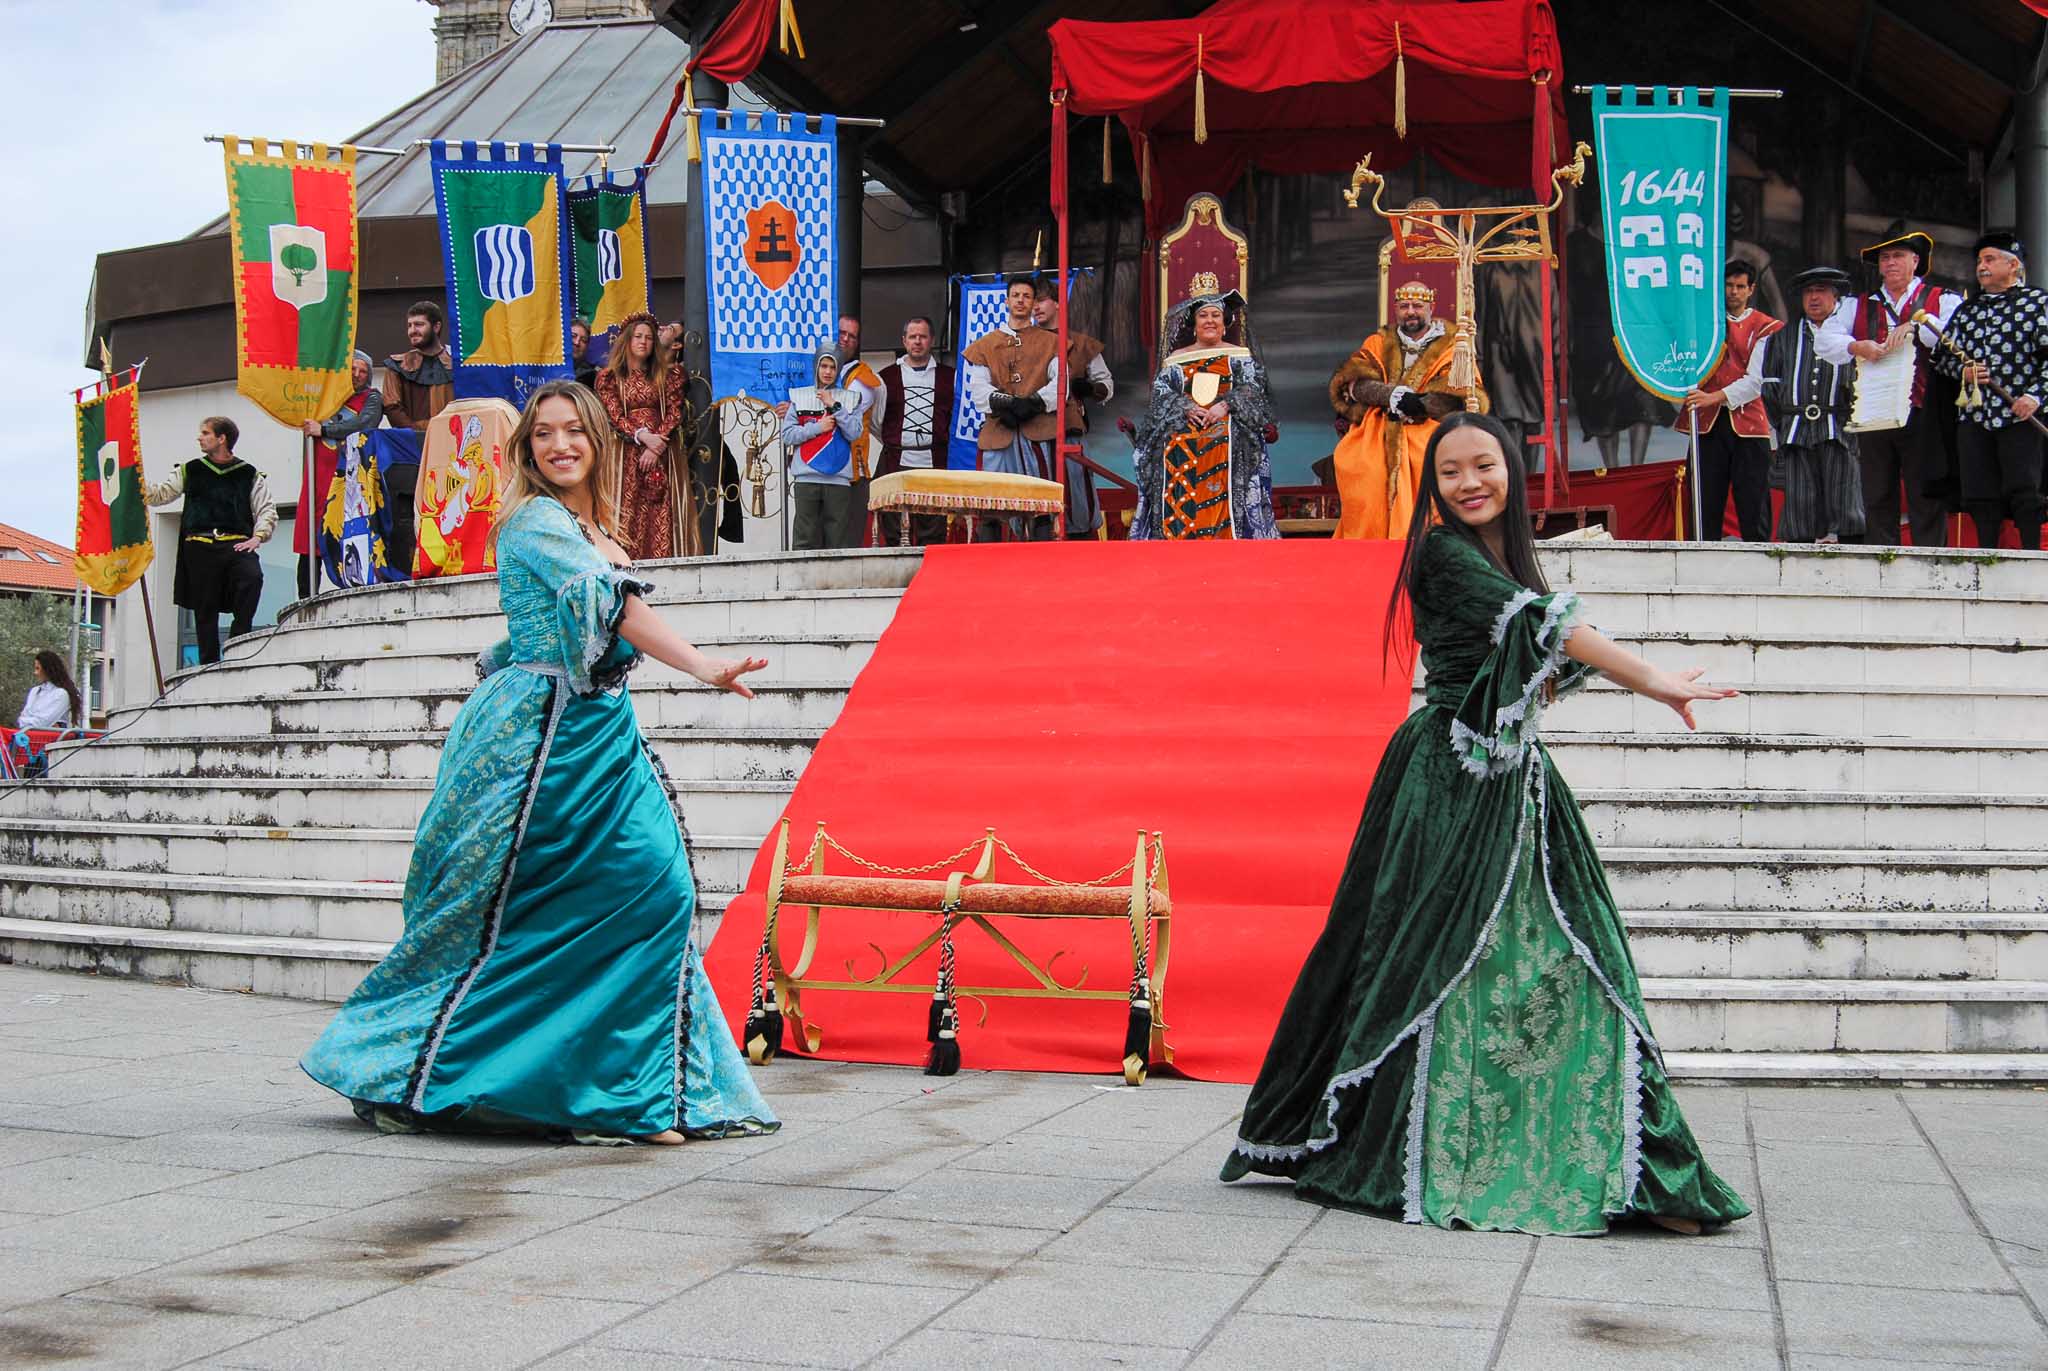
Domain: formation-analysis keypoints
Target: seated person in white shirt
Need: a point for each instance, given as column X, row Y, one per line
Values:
column 53, row 701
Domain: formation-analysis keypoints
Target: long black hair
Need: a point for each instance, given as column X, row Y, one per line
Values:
column 59, row 675
column 1518, row 541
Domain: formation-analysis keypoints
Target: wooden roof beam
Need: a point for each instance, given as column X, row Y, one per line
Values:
column 931, row 79
column 1948, row 32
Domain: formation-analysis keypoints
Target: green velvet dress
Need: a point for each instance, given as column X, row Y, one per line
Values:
column 1466, row 1043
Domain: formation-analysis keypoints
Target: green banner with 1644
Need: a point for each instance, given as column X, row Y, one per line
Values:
column 1663, row 167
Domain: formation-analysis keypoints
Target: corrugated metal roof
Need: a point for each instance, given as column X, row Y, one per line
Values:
column 31, row 563
column 578, row 81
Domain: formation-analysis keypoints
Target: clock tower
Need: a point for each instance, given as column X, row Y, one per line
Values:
column 467, row 31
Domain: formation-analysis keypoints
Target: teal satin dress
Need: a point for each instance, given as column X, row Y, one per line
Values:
column 546, row 977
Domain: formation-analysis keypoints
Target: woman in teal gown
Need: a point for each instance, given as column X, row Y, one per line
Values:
column 1466, row 1044
column 546, row 979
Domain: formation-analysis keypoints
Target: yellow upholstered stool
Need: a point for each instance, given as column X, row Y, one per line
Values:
column 959, row 492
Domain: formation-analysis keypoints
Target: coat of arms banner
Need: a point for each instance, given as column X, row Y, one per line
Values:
column 505, row 248
column 771, row 251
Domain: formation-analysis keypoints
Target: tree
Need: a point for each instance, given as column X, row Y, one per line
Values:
column 28, row 625
column 298, row 259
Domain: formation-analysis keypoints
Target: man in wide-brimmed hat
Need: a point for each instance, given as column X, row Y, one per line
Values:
column 2003, row 332
column 1915, row 456
column 1810, row 399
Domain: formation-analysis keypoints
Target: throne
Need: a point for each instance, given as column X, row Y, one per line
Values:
column 1201, row 254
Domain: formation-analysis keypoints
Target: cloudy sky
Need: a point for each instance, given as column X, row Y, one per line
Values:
column 104, row 114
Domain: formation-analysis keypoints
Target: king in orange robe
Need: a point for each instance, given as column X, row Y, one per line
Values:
column 1391, row 393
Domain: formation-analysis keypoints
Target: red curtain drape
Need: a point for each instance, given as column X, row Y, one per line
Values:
column 1309, row 86
column 729, row 55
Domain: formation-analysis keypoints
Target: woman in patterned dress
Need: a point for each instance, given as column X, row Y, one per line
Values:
column 1200, row 453
column 1466, row 1044
column 546, row 980
column 642, row 393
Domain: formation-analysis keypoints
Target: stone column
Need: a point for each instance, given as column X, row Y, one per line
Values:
column 2030, row 165
column 847, row 219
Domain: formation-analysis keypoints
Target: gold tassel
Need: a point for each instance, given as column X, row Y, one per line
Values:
column 1400, row 87
column 693, row 144
column 1464, row 362
column 1145, row 168
column 1201, row 98
column 1037, row 249
column 1105, row 150
column 789, row 29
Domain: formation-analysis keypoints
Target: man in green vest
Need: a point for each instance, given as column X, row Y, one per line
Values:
column 228, row 514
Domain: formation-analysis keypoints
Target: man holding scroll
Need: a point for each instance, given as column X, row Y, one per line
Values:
column 1876, row 328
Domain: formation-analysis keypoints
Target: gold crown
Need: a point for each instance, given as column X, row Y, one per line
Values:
column 1204, row 283
column 1415, row 290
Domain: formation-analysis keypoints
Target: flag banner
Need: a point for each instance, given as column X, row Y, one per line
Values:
column 355, row 522
column 770, row 249
column 112, row 546
column 505, row 249
column 608, row 218
column 981, row 304
column 462, row 475
column 292, row 231
column 1663, row 168
column 981, row 308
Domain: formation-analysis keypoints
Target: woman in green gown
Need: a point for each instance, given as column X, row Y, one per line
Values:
column 1466, row 1043
column 546, row 980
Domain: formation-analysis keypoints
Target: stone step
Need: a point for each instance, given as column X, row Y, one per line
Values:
column 2012, row 713
column 456, row 626
column 695, row 753
column 1839, row 944
column 1695, row 609
column 759, row 575
column 675, row 702
column 1836, row 657
column 1729, row 1014
column 1792, row 879
column 336, row 854
column 292, row 908
column 831, row 657
column 1894, row 820
column 1717, row 760
column 2001, row 1026
column 1752, row 568
column 743, row 806
column 1856, row 1068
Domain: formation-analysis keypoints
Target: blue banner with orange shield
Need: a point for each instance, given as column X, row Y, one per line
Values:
column 771, row 251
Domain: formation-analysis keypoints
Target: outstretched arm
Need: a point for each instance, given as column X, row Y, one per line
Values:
column 1624, row 668
column 646, row 631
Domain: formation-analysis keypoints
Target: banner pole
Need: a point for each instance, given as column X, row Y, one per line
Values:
column 313, row 500
column 149, row 622
column 1699, row 522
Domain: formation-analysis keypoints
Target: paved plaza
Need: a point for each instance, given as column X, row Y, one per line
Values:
column 174, row 1192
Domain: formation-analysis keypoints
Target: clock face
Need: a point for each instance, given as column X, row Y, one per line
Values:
column 527, row 15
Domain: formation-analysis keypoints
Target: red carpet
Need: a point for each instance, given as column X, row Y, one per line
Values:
column 1229, row 695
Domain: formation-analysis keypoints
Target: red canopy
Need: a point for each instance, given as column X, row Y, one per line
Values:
column 1309, row 86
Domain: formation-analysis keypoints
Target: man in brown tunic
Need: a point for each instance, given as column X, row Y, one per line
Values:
column 1014, row 380
column 418, row 384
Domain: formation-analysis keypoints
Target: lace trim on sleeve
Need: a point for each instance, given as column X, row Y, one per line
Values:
column 1514, row 725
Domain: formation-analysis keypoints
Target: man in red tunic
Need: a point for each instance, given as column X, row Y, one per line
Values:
column 1734, row 427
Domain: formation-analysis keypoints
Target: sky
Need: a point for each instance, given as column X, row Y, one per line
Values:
column 105, row 112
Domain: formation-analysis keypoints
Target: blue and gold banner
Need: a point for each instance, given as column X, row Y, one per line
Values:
column 608, row 222
column 1663, row 167
column 771, row 251
column 505, row 248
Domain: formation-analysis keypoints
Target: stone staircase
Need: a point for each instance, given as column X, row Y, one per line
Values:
column 1842, row 877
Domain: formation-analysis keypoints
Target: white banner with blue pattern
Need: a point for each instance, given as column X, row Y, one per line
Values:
column 770, row 250
column 981, row 310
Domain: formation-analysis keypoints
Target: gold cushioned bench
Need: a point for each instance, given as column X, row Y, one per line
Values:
column 1136, row 894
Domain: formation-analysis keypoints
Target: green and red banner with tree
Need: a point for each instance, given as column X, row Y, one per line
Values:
column 113, row 547
column 292, row 230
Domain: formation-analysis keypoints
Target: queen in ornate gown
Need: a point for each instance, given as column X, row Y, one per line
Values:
column 1466, row 1044
column 546, row 979
column 1200, row 454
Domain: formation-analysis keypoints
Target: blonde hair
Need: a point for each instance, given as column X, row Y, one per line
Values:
column 523, row 481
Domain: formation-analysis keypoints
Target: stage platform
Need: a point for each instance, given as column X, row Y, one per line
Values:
column 1841, row 878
